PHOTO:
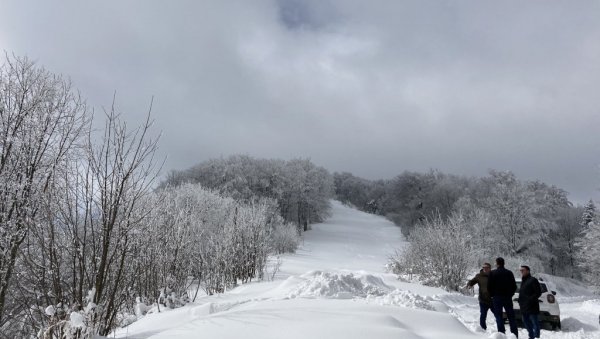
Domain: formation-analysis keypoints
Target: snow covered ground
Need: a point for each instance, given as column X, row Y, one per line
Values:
column 335, row 286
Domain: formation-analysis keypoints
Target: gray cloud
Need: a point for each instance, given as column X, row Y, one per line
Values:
column 371, row 88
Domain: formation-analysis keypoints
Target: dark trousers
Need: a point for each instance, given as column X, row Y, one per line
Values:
column 483, row 310
column 499, row 303
column 532, row 324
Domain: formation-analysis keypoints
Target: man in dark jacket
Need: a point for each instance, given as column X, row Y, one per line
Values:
column 485, row 300
column 529, row 293
column 502, row 286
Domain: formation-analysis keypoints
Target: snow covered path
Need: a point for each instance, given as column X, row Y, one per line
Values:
column 335, row 286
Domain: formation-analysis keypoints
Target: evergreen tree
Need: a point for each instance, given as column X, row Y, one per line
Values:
column 589, row 213
column 589, row 254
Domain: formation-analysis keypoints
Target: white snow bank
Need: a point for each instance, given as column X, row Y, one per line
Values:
column 403, row 299
column 592, row 306
column 566, row 287
column 319, row 318
column 570, row 324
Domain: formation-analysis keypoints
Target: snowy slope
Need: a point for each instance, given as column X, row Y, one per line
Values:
column 335, row 286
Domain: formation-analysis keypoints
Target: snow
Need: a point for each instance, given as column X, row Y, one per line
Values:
column 77, row 320
column 50, row 310
column 336, row 286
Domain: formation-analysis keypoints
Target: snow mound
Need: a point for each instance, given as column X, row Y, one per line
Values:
column 402, row 298
column 566, row 287
column 592, row 306
column 339, row 286
column 77, row 320
column 456, row 300
column 574, row 325
column 320, row 284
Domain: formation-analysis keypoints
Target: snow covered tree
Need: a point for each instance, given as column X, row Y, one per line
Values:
column 301, row 189
column 588, row 247
column 121, row 169
column 513, row 207
column 563, row 244
column 479, row 223
column 405, row 202
column 589, row 213
column 100, row 211
column 352, row 190
column 439, row 253
column 41, row 121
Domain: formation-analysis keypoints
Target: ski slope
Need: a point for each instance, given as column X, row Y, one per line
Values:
column 336, row 286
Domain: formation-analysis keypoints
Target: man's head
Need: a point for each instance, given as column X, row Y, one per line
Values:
column 500, row 262
column 486, row 267
column 524, row 270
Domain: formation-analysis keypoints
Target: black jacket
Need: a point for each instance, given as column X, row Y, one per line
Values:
column 529, row 293
column 502, row 283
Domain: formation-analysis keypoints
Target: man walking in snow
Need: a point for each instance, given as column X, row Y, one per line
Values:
column 485, row 300
column 529, row 293
column 502, row 286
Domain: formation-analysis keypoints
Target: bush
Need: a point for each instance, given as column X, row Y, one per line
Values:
column 438, row 254
column 285, row 238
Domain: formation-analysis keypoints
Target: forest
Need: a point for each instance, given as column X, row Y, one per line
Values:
column 455, row 223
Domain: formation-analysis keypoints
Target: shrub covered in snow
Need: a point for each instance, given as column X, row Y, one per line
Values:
column 438, row 254
column 285, row 238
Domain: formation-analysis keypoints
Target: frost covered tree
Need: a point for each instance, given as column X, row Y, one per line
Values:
column 302, row 190
column 563, row 246
column 309, row 189
column 41, row 121
column 98, row 214
column 513, row 208
column 353, row 190
column 589, row 254
column 480, row 224
column 439, row 253
column 589, row 213
column 587, row 245
column 121, row 168
column 551, row 207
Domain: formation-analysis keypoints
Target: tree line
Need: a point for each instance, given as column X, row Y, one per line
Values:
column 301, row 189
column 454, row 222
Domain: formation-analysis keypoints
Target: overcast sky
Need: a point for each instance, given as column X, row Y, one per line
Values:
column 370, row 87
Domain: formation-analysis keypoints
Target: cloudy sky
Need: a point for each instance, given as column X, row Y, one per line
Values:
column 370, row 87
